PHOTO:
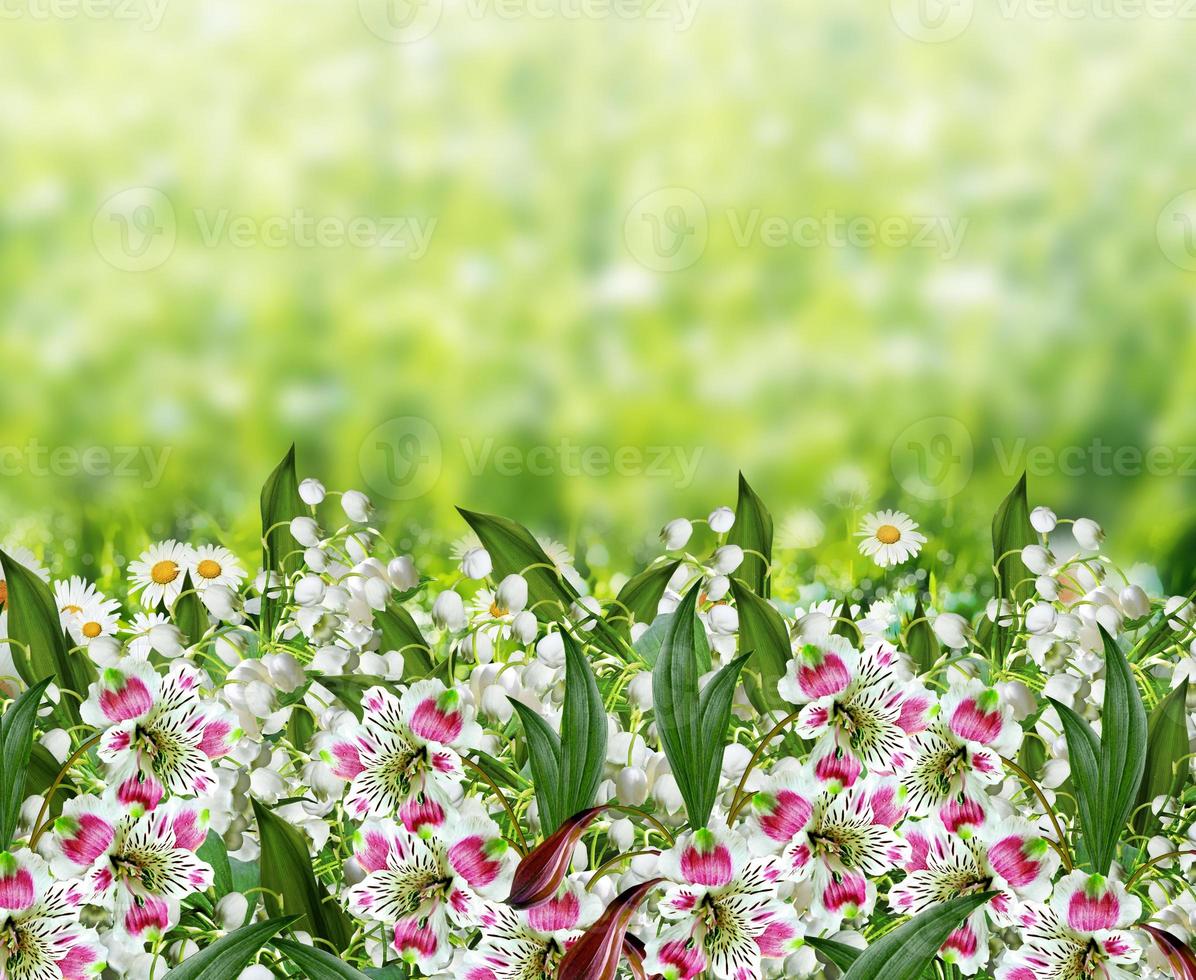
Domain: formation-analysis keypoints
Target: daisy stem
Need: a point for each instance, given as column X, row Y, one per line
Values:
column 502, row 799
column 43, row 821
column 1059, row 846
column 740, row 796
column 1143, row 868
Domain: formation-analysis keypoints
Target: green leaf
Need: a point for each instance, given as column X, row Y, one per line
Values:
column 583, row 731
column 16, row 744
column 544, row 758
column 692, row 726
column 280, row 504
column 317, row 964
column 39, row 645
column 648, row 646
column 213, row 851
column 189, row 613
column 1166, row 753
column 840, row 954
column 752, row 531
column 845, row 626
column 908, row 950
column 400, row 632
column 920, row 642
column 43, row 770
column 1123, row 750
column 228, row 956
column 1012, row 531
column 762, row 631
column 514, row 551
column 640, row 597
column 286, row 870
column 1083, row 750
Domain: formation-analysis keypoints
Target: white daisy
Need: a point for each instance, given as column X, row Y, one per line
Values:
column 216, row 565
column 159, row 573
column 84, row 611
column 140, row 645
column 889, row 537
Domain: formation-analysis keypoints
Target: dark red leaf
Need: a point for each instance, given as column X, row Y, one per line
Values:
column 1178, row 953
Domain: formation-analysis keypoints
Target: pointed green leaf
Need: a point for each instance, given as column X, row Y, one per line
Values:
column 839, row 954
column 280, row 504
column 920, row 642
column 213, row 851
column 40, row 648
column 189, row 613
column 229, row 955
column 16, row 744
column 1083, row 751
column 286, row 869
column 752, row 531
column 675, row 699
column 1123, row 750
column 400, row 632
column 544, row 758
column 1012, row 531
column 714, row 707
column 583, row 731
column 648, row 646
column 763, row 633
column 640, row 596
column 1166, row 754
column 908, row 950
column 43, row 770
column 315, row 963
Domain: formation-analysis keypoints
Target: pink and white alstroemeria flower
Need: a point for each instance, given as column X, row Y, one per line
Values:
column 1079, row 936
column 853, row 708
column 725, row 911
column 519, row 945
column 41, row 937
column 961, row 752
column 161, row 734
column 846, row 842
column 1008, row 857
column 139, row 865
column 421, row 884
column 404, row 749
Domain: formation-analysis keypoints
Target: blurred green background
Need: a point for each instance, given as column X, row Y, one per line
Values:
column 579, row 261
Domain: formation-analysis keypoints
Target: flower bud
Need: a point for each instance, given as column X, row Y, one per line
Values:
column 1043, row 520
column 1088, row 534
column 403, row 573
column 512, row 593
column 476, row 563
column 1134, row 601
column 311, row 492
column 676, row 534
column 727, row 558
column 356, row 506
column 306, row 531
column 448, row 611
column 721, row 520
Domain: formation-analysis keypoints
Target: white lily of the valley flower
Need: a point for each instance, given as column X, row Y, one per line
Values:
column 448, row 611
column 1088, row 534
column 676, row 534
column 311, row 492
column 1043, row 520
column 476, row 563
column 721, row 520
column 306, row 531
column 356, row 506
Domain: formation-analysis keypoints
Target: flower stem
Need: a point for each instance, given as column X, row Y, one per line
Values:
column 1059, row 846
column 522, row 847
column 42, row 821
column 740, row 796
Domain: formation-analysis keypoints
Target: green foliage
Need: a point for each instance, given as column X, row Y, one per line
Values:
column 229, row 955
column 752, row 531
column 763, row 634
column 16, row 743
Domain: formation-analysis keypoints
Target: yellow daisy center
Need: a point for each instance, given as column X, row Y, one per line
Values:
column 888, row 534
column 164, row 572
column 497, row 611
column 208, row 568
column 72, row 609
column 91, row 630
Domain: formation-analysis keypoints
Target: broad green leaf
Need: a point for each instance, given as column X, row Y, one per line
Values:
column 648, row 645
column 301, row 727
column 189, row 613
column 280, row 504
column 920, row 642
column 43, row 770
column 400, row 632
column 544, row 758
column 247, row 877
column 392, row 971
column 840, row 954
column 583, row 731
column 229, row 955
column 514, row 550
column 752, row 531
column 286, row 870
column 763, row 633
column 1083, row 750
column 908, row 950
column 213, row 851
column 692, row 725
column 16, row 744
column 317, row 964
column 1012, row 531
column 40, row 648
column 1123, row 750
column 499, row 771
column 1166, row 753
column 640, row 596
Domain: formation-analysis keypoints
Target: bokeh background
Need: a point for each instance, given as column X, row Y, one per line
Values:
column 579, row 261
